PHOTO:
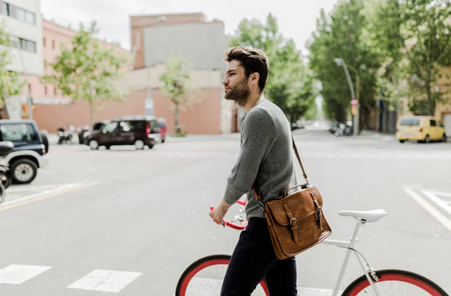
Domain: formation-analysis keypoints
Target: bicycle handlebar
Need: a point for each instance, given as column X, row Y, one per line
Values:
column 232, row 224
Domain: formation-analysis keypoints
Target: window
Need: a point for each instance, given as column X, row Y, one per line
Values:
column 124, row 126
column 410, row 121
column 110, row 127
column 28, row 45
column 136, row 125
column 45, row 89
column 54, row 91
column 43, row 42
column 30, row 17
column 18, row 13
column 3, row 8
column 17, row 132
column 433, row 122
column 53, row 44
column 23, row 44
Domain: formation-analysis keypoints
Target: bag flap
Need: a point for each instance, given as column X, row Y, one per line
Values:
column 300, row 204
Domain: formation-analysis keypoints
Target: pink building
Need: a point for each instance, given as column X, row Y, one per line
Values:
column 209, row 114
column 51, row 109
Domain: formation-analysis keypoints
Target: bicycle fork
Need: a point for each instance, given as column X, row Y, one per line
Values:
column 368, row 270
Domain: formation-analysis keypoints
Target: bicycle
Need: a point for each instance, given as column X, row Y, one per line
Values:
column 204, row 276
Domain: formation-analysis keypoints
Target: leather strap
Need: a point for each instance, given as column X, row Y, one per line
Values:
column 299, row 159
column 293, row 222
column 256, row 190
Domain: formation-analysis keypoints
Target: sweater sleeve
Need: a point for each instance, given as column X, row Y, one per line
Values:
column 257, row 137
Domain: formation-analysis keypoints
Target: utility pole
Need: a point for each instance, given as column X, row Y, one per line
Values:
column 354, row 100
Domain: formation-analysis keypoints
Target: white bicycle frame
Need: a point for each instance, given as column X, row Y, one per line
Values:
column 369, row 271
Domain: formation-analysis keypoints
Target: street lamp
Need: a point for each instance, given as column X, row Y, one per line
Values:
column 354, row 98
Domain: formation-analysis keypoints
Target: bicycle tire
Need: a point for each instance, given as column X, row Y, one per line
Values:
column 192, row 281
column 395, row 282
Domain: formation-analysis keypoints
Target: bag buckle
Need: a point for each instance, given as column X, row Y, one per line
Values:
column 318, row 217
column 293, row 221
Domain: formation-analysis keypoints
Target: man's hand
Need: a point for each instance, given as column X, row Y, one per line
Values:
column 218, row 213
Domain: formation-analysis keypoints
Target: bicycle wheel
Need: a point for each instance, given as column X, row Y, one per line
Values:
column 204, row 278
column 395, row 282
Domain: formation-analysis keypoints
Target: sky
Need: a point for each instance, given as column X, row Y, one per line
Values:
column 296, row 18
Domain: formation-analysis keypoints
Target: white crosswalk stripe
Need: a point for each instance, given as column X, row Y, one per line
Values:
column 105, row 280
column 18, row 274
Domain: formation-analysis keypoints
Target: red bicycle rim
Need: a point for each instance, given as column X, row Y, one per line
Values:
column 206, row 264
column 398, row 278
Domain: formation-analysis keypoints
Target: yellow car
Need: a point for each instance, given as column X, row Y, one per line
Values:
column 420, row 128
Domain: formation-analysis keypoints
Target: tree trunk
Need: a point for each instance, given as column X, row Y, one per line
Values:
column 431, row 101
column 91, row 112
column 176, row 117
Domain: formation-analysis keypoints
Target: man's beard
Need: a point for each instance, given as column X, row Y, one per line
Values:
column 239, row 93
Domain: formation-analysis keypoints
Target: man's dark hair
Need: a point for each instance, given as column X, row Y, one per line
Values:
column 253, row 60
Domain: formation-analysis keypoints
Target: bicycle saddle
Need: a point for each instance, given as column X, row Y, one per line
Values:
column 367, row 216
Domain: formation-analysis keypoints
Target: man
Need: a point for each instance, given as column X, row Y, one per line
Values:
column 265, row 160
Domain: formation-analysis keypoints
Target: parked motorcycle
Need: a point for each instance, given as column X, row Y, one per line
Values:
column 343, row 129
column 66, row 136
column 5, row 148
column 81, row 133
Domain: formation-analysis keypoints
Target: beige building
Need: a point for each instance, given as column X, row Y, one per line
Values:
column 442, row 110
column 156, row 39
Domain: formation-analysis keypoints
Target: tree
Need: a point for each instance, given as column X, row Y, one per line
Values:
column 417, row 35
column 344, row 35
column 290, row 85
column 9, row 81
column 88, row 70
column 177, row 88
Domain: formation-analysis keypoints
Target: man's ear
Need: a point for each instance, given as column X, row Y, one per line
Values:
column 255, row 77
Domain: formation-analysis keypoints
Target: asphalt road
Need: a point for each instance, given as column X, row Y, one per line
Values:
column 136, row 219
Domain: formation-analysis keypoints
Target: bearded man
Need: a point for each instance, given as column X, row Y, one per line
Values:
column 265, row 160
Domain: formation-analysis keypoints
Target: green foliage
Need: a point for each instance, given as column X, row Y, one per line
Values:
column 88, row 70
column 343, row 35
column 176, row 86
column 415, row 36
column 290, row 84
column 9, row 81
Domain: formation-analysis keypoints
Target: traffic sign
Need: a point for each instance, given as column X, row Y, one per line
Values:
column 354, row 102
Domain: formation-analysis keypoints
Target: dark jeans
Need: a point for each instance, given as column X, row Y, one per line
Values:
column 254, row 259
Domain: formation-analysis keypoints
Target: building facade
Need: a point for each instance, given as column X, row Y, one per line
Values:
column 22, row 20
column 158, row 38
column 52, row 109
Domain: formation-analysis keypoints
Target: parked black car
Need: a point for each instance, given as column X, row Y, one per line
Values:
column 30, row 149
column 140, row 131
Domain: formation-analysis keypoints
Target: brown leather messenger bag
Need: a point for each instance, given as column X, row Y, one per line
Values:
column 295, row 221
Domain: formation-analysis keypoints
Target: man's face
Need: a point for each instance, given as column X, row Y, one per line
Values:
column 236, row 83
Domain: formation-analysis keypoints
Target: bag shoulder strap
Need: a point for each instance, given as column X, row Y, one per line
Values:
column 255, row 188
column 299, row 159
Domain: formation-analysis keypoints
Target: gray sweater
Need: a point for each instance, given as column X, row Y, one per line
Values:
column 265, row 158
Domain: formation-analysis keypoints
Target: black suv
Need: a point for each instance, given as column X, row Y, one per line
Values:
column 140, row 131
column 30, row 149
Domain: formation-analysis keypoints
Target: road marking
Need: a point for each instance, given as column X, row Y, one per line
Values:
column 204, row 286
column 429, row 208
column 44, row 195
column 316, row 292
column 438, row 201
column 105, row 280
column 18, row 274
